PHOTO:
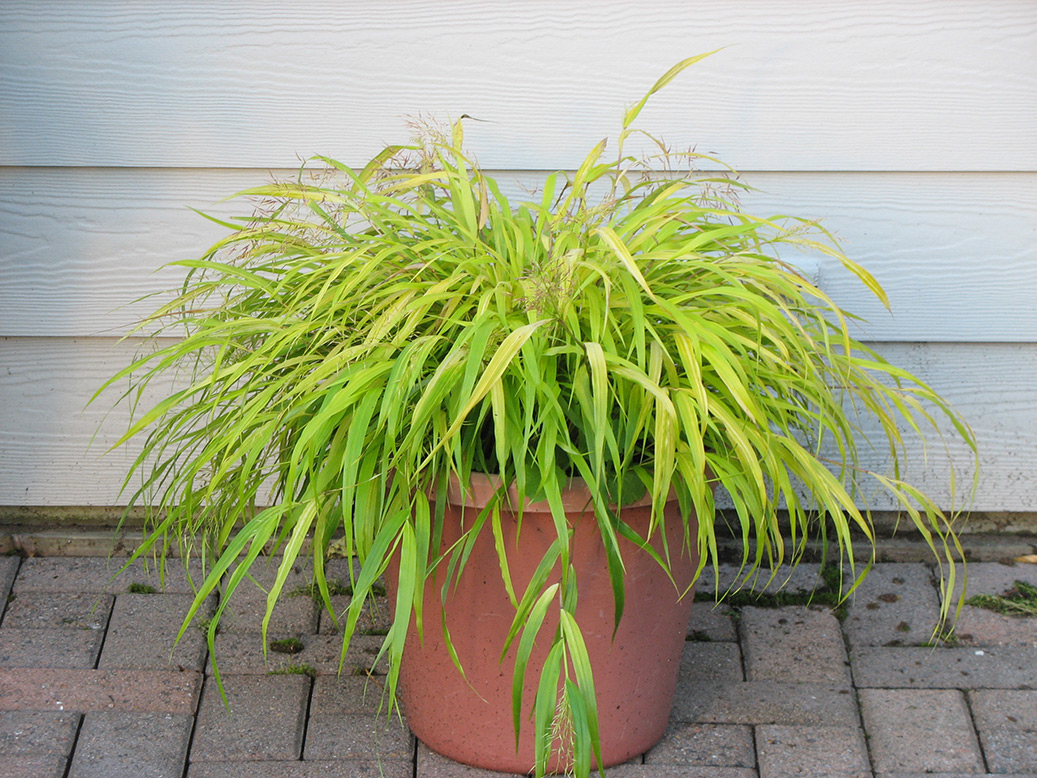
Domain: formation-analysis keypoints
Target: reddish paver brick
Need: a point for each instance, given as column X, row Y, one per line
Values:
column 897, row 604
column 813, row 752
column 87, row 690
column 997, row 667
column 921, row 730
column 261, row 719
column 64, row 610
column 766, row 702
column 794, row 644
column 42, row 766
column 339, row 768
column 116, row 744
column 717, row 745
column 142, row 631
column 37, row 733
column 50, row 647
column 357, row 736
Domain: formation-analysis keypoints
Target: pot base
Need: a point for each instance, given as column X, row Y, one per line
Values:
column 469, row 719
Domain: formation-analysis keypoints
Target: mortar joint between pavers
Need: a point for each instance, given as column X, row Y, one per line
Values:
column 967, row 694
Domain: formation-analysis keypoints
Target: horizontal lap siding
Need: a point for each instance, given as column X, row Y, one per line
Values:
column 84, row 244
column 48, row 458
column 907, row 126
column 868, row 85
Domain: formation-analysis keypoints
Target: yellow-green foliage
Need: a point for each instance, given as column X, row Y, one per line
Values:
column 359, row 338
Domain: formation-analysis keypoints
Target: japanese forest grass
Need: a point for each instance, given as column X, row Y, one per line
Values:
column 361, row 336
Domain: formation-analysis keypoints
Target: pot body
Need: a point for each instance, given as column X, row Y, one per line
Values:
column 469, row 719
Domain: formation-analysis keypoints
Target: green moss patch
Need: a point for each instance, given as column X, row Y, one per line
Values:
column 1020, row 600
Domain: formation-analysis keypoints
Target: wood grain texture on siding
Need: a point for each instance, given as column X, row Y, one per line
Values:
column 46, row 456
column 827, row 85
column 957, row 253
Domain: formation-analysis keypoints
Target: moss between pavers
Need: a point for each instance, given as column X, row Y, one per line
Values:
column 826, row 595
column 1020, row 600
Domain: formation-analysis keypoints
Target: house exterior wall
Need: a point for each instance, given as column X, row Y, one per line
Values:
column 907, row 127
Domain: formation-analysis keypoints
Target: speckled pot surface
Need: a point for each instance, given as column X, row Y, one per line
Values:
column 469, row 719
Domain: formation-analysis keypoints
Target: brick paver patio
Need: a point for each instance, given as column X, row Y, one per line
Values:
column 88, row 686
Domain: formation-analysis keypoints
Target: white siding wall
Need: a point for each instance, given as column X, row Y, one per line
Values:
column 908, row 126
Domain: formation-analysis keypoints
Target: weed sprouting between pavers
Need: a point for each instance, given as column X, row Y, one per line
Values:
column 141, row 588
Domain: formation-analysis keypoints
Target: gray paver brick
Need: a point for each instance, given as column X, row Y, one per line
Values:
column 293, row 615
column 1010, row 751
column 716, row 745
column 29, row 688
column 677, row 771
column 767, row 702
column 143, row 629
column 8, row 569
column 50, row 647
column 433, row 765
column 339, row 768
column 357, row 736
column 62, row 574
column 794, row 644
column 922, row 730
column 242, row 653
column 804, row 578
column 346, row 694
column 998, row 667
column 131, row 745
column 374, row 619
column 1007, row 724
column 977, row 626
column 1005, row 709
column 995, row 577
column 897, row 604
column 817, row 752
column 36, row 733
column 981, row 627
column 95, row 575
column 64, row 610
column 712, row 622
column 708, row 663
column 32, row 766
column 265, row 720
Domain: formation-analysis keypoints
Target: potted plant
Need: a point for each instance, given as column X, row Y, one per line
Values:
column 538, row 397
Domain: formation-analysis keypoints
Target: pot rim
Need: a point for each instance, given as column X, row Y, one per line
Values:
column 576, row 495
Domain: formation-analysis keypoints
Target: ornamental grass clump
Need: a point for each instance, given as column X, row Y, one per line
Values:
column 361, row 337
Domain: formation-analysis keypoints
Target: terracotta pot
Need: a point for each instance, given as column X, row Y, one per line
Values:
column 635, row 675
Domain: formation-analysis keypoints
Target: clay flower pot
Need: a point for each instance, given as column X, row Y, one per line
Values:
column 470, row 719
